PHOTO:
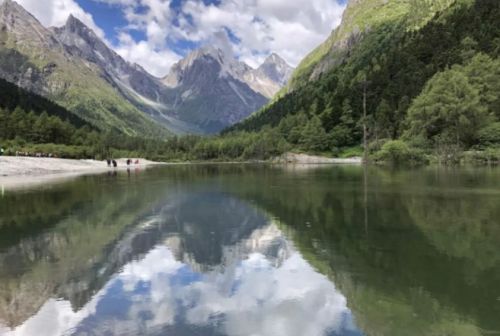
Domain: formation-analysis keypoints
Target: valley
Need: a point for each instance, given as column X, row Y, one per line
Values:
column 249, row 168
column 373, row 78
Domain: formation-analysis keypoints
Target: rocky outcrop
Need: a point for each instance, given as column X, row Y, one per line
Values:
column 270, row 76
column 214, row 90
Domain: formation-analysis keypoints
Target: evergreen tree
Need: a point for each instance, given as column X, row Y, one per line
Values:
column 449, row 108
column 484, row 74
column 314, row 137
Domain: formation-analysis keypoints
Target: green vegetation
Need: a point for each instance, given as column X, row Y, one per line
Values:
column 434, row 88
column 37, row 131
column 75, row 85
column 431, row 83
column 397, row 151
column 361, row 16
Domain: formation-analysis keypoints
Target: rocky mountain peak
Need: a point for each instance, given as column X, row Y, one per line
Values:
column 83, row 41
column 75, row 28
column 276, row 68
column 23, row 27
column 228, row 65
column 275, row 59
column 13, row 13
column 10, row 4
column 74, row 24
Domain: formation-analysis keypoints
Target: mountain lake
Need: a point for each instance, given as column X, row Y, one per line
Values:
column 254, row 250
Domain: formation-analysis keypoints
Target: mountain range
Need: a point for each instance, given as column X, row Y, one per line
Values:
column 203, row 93
column 392, row 61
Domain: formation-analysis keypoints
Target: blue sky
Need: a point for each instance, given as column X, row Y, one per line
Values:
column 157, row 33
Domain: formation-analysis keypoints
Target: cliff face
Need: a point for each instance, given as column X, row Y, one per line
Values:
column 214, row 90
column 359, row 17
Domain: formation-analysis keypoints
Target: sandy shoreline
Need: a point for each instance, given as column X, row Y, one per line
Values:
column 19, row 172
column 305, row 159
column 23, row 171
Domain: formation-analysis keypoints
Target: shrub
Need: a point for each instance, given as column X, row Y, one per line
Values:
column 490, row 135
column 351, row 152
column 397, row 152
column 487, row 156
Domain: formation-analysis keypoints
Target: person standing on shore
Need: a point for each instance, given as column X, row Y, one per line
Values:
column 115, row 164
column 1, row 151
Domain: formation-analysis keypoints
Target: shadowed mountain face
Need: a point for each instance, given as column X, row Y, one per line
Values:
column 233, row 250
column 73, row 67
column 32, row 57
column 210, row 90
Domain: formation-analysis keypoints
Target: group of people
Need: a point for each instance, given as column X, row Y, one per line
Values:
column 112, row 162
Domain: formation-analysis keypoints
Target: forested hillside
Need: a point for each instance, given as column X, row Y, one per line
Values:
column 428, row 74
column 34, row 125
column 360, row 17
column 437, row 87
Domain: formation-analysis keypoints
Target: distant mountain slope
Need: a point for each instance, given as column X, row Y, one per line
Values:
column 362, row 16
column 204, row 93
column 33, row 58
column 213, row 90
column 270, row 76
column 394, row 61
column 133, row 83
column 12, row 96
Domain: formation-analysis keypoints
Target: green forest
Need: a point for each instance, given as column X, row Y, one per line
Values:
column 431, row 94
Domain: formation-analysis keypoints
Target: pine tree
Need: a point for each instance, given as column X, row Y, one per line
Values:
column 314, row 137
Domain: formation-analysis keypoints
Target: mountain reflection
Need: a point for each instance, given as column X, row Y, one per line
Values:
column 254, row 250
column 166, row 259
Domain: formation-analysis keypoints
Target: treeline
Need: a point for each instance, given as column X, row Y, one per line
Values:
column 31, row 128
column 435, row 90
column 35, row 125
column 12, row 97
column 27, row 132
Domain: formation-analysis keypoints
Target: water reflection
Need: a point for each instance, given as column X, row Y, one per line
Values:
column 427, row 263
column 192, row 260
column 243, row 250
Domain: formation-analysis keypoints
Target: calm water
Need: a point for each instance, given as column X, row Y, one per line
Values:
column 254, row 250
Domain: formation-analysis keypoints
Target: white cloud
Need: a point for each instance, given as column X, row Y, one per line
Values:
column 291, row 28
column 157, row 61
column 54, row 13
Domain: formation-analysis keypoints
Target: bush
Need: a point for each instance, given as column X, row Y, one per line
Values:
column 490, row 135
column 376, row 145
column 487, row 156
column 397, row 152
column 350, row 152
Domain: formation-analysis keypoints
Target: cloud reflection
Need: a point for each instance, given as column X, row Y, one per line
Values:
column 251, row 295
